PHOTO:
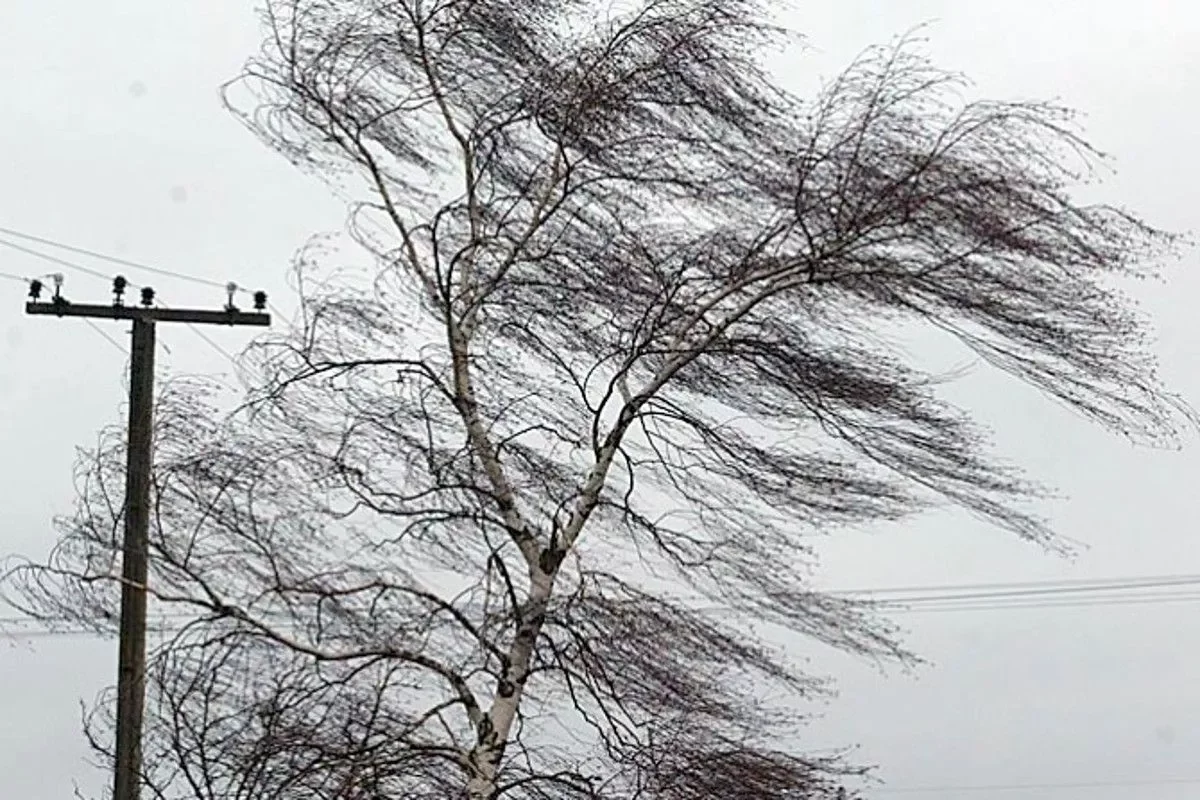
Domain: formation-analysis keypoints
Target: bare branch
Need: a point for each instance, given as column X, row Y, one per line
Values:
column 493, row 519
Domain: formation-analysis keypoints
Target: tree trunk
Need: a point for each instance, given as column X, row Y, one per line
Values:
column 492, row 737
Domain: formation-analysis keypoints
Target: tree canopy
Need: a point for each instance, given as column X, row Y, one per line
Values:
column 497, row 514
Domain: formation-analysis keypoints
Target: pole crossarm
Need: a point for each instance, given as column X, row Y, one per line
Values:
column 150, row 314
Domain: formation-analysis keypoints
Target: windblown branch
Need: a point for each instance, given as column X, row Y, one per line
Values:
column 491, row 521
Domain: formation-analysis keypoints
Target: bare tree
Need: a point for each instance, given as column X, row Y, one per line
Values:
column 502, row 513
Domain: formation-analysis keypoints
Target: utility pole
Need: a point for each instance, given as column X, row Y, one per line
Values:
column 131, row 665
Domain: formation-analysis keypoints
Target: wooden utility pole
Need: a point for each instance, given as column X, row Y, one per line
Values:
column 134, row 567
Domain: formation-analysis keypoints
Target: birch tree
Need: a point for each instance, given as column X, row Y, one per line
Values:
column 504, row 514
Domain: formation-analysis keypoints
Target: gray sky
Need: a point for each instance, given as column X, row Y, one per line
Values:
column 114, row 139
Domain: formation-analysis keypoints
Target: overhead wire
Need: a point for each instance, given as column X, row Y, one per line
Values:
column 1080, row 593
column 211, row 342
column 1043, row 595
column 1036, row 787
column 206, row 339
column 1038, row 605
column 139, row 265
column 1053, row 582
column 13, row 277
column 1033, row 599
column 91, row 324
column 112, row 259
column 97, row 274
column 55, row 259
column 125, row 262
column 1042, row 590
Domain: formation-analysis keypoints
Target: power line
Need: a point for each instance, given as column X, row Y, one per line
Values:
column 1080, row 593
column 54, row 259
column 125, row 262
column 106, row 335
column 1047, row 590
column 1081, row 603
column 1035, row 787
column 1043, row 594
column 1018, row 584
column 13, row 277
column 209, row 341
column 62, row 262
column 96, row 273
column 91, row 324
column 213, row 344
column 1011, row 602
column 15, row 619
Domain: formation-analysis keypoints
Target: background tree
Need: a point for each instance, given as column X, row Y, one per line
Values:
column 499, row 511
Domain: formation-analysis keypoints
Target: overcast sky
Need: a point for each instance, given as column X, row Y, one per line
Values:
column 114, row 139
